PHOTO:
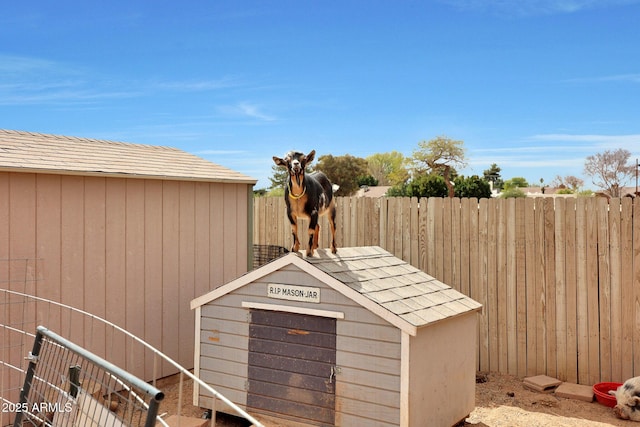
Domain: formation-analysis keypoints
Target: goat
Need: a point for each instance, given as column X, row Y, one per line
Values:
column 308, row 196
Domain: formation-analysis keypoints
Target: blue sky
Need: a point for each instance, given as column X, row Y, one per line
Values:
column 535, row 86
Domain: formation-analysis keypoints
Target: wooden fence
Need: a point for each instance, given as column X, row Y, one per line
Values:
column 559, row 279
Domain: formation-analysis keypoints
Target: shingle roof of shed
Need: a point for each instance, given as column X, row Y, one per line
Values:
column 399, row 287
column 386, row 285
column 35, row 152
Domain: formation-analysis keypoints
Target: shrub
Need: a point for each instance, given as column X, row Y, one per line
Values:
column 512, row 192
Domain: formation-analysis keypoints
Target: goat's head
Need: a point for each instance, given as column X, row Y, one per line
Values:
column 295, row 162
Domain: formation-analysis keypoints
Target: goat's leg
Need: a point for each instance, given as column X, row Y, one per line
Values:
column 316, row 237
column 295, row 247
column 332, row 225
column 313, row 226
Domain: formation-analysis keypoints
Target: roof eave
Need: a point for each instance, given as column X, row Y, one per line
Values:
column 239, row 180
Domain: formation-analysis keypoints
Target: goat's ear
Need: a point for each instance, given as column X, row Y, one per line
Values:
column 309, row 157
column 278, row 161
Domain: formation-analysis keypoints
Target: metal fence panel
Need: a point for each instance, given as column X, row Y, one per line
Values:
column 66, row 385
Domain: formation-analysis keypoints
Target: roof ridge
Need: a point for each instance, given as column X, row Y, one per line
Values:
column 86, row 139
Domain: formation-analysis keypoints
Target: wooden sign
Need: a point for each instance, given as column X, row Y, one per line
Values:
column 293, row 293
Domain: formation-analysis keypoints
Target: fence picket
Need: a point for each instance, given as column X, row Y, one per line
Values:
column 582, row 300
column 635, row 268
column 571, row 290
column 626, row 287
column 616, row 295
column 560, row 289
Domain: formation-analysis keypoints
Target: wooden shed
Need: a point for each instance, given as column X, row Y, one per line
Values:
column 352, row 339
column 128, row 232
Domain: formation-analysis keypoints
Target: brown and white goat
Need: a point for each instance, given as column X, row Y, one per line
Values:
column 307, row 196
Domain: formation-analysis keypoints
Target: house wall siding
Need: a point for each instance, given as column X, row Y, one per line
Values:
column 134, row 251
column 367, row 350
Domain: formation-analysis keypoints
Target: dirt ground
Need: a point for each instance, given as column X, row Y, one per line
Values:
column 501, row 401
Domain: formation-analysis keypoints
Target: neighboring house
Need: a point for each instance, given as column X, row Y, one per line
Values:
column 377, row 191
column 128, row 232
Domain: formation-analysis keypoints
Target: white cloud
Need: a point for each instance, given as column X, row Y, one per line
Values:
column 199, row 85
column 246, row 109
column 630, row 78
column 630, row 142
column 535, row 7
column 219, row 152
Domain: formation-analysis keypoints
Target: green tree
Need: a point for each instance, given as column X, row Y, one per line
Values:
column 423, row 185
column 516, row 182
column 343, row 171
column 511, row 192
column 440, row 154
column 388, row 168
column 428, row 185
column 473, row 186
column 367, row 180
column 493, row 175
column 279, row 177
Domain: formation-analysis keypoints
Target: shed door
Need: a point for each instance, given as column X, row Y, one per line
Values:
column 291, row 362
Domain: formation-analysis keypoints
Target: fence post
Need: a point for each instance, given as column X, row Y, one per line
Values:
column 33, row 360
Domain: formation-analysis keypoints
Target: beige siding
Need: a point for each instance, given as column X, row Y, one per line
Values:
column 368, row 350
column 135, row 251
column 438, row 378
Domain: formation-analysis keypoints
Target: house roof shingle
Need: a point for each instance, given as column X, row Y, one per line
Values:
column 35, row 152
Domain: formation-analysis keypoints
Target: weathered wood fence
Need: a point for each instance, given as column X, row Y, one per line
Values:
column 559, row 279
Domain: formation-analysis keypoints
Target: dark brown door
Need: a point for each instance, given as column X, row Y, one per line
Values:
column 291, row 365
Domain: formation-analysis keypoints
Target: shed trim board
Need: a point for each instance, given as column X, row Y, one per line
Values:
column 292, row 309
column 405, row 351
column 196, row 359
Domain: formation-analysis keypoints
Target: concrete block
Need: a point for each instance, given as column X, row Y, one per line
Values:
column 172, row 421
column 575, row 391
column 541, row 383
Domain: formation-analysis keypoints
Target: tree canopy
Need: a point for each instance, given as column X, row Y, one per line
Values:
column 346, row 171
column 610, row 170
column 388, row 168
column 493, row 175
column 473, row 186
column 515, row 182
column 440, row 154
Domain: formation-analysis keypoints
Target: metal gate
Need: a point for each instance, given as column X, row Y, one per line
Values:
column 65, row 385
column 291, row 366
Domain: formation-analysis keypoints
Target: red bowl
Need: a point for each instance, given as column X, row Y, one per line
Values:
column 601, row 391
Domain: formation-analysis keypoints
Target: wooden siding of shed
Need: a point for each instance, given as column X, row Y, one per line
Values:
column 133, row 251
column 441, row 384
column 367, row 354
